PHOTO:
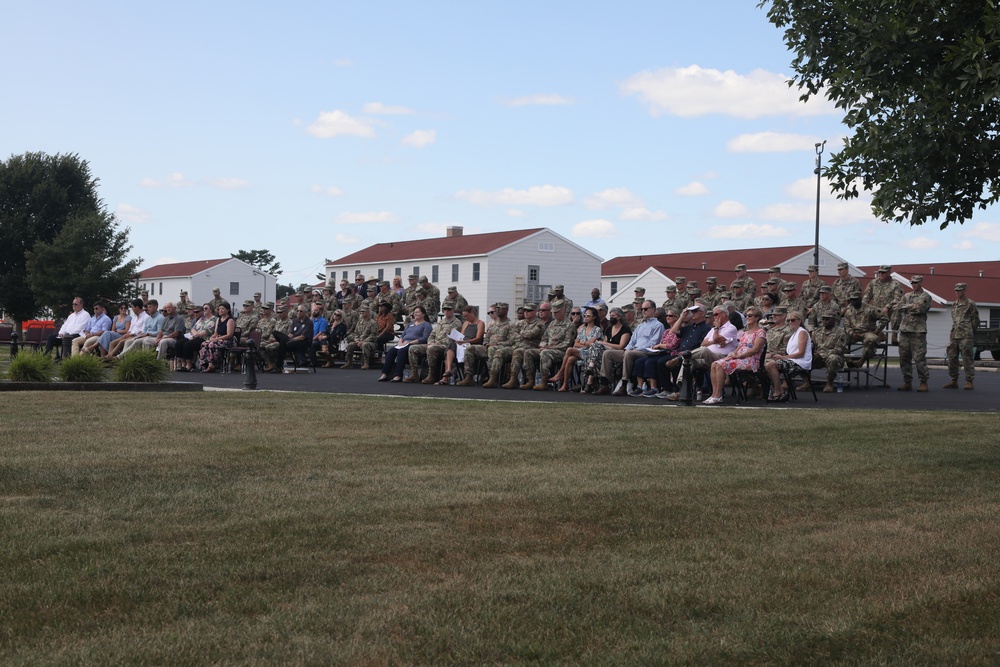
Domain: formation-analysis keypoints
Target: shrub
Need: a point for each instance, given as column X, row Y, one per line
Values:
column 30, row 367
column 141, row 366
column 81, row 368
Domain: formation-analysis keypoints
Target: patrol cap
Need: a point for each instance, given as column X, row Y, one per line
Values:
column 364, row 309
column 826, row 289
column 452, row 289
column 528, row 306
column 638, row 301
column 740, row 285
column 420, row 290
column 728, row 304
column 712, row 280
column 960, row 287
column 411, row 277
column 423, row 279
column 640, row 290
column 723, row 287
column 557, row 288
column 856, row 294
column 842, row 265
column 695, row 292
column 916, row 279
column 248, row 303
column 692, row 283
column 780, row 310
column 812, row 268
column 184, row 292
column 628, row 308
column 502, row 305
column 774, row 269
column 788, row 288
column 269, row 305
column 885, row 268
column 448, row 305
column 194, row 306
column 680, row 279
column 740, row 267
column 282, row 308
column 256, row 293
column 216, row 290
column 671, row 288
column 771, row 281
column 384, row 283
column 830, row 316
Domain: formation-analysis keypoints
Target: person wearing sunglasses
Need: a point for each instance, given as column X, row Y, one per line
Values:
column 798, row 354
column 645, row 335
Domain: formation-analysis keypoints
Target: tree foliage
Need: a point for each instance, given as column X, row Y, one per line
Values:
column 262, row 259
column 919, row 84
column 87, row 253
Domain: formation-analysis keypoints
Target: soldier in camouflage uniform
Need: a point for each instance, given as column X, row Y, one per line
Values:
column 883, row 293
column 216, row 301
column 386, row 295
column 742, row 278
column 272, row 347
column 473, row 352
column 435, row 348
column 809, row 292
column 740, row 298
column 457, row 299
column 559, row 337
column 257, row 305
column 558, row 294
column 862, row 325
column 672, row 298
column 778, row 333
column 772, row 287
column 825, row 305
column 911, row 317
column 192, row 313
column 964, row 322
column 681, row 283
column 246, row 321
column 844, row 285
column 774, row 273
column 410, row 294
column 829, row 343
column 184, row 305
column 712, row 297
column 527, row 335
column 500, row 346
column 432, row 302
column 361, row 337
column 790, row 302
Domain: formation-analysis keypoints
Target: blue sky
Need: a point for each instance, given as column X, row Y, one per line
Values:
column 314, row 129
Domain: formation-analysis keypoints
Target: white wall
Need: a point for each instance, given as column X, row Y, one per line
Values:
column 574, row 268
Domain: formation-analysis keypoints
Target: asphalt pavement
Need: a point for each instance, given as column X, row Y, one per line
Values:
column 984, row 398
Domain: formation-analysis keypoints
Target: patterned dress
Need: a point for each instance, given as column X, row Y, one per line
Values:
column 751, row 363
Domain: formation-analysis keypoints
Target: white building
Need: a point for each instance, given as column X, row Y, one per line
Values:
column 514, row 267
column 236, row 280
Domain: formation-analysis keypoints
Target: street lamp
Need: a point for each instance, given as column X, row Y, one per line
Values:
column 819, row 159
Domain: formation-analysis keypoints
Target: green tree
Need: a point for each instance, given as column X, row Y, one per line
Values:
column 39, row 195
column 919, row 84
column 88, row 254
column 262, row 259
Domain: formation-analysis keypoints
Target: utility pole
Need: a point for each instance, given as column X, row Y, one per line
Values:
column 819, row 159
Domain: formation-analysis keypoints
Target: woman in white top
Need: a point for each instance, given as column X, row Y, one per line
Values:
column 798, row 354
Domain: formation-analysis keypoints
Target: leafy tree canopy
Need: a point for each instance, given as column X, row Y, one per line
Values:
column 262, row 259
column 919, row 83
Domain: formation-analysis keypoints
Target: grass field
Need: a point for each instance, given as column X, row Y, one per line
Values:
column 199, row 528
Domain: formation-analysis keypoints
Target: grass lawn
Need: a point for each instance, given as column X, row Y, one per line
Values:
column 197, row 528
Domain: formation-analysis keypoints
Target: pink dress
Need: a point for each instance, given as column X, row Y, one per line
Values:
column 752, row 363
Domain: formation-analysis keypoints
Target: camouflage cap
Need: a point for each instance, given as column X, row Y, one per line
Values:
column 256, row 293
column 640, row 290
column 695, row 292
column 671, row 288
column 679, row 279
column 638, row 301
column 364, row 309
column 423, row 280
column 528, row 306
column 789, row 287
column 558, row 304
column 448, row 305
column 885, row 268
column 711, row 280
column 452, row 289
column 557, row 288
column 216, row 290
column 269, row 305
column 961, row 287
column 740, row 267
column 248, row 303
column 780, row 310
column 842, row 265
column 826, row 289
column 282, row 308
column 916, row 280
column 771, row 281
column 774, row 269
column 184, row 292
column 194, row 306
column 692, row 283
column 628, row 308
column 384, row 283
column 829, row 315
column 856, row 294
column 411, row 277
column 420, row 290
column 503, row 305
column 812, row 268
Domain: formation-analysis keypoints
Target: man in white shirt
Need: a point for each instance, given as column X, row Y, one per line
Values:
column 71, row 328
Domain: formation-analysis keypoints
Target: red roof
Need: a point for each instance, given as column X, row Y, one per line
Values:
column 448, row 246
column 718, row 262
column 180, row 269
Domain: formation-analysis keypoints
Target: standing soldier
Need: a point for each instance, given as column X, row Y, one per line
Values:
column 844, row 285
column 774, row 273
column 964, row 322
column 883, row 293
column 790, row 302
column 912, row 326
column 829, row 342
column 825, row 305
column 217, row 299
column 183, row 305
column 410, row 294
column 811, row 286
column 742, row 278
column 559, row 295
column 681, row 283
column 257, row 305
column 740, row 298
column 712, row 297
column 433, row 298
column 386, row 295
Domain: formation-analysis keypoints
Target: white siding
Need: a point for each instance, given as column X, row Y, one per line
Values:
column 577, row 270
column 200, row 286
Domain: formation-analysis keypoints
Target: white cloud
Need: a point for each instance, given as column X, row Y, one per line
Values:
column 964, row 245
column 371, row 217
column 343, row 62
column 920, row 243
column 771, row 142
column 228, row 183
column 434, row 228
column 420, row 138
column 515, row 213
column 541, row 99
column 749, row 231
column 985, row 231
column 132, row 214
column 611, row 198
column 329, row 191
column 538, row 195
column 731, row 209
column 641, row 213
column 345, row 239
column 595, row 229
column 377, row 108
column 696, row 91
column 175, row 180
column 692, row 189
column 335, row 123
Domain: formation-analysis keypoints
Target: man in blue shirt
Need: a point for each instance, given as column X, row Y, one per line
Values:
column 152, row 328
column 319, row 327
column 95, row 326
column 646, row 335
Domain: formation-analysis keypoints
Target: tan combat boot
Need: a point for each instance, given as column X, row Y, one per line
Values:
column 466, row 381
column 512, row 382
column 805, row 386
column 906, row 386
column 492, row 382
column 828, row 388
column 922, row 387
column 951, row 384
column 968, row 385
column 414, row 375
column 430, row 379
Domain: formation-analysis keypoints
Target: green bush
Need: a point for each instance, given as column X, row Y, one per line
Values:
column 30, row 367
column 141, row 366
column 81, row 368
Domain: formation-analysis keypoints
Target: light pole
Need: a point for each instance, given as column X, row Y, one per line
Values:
column 819, row 159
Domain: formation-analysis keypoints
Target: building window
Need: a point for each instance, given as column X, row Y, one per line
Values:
column 399, row 272
column 161, row 289
column 381, row 275
column 416, row 271
column 434, row 273
column 994, row 318
column 546, row 246
column 614, row 287
column 533, row 274
column 454, row 273
column 475, row 272
column 343, row 276
column 234, row 289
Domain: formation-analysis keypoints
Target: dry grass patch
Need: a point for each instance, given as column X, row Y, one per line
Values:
column 199, row 528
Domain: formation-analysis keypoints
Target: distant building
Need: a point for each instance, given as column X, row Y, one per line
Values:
column 515, row 267
column 236, row 280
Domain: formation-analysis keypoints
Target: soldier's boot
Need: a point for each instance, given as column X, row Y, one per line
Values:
column 529, row 382
column 805, row 386
column 466, row 381
column 364, row 365
column 431, row 377
column 923, row 386
column 515, row 368
column 906, row 386
column 828, row 388
column 968, row 385
column 414, row 375
column 951, row 384
column 492, row 382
